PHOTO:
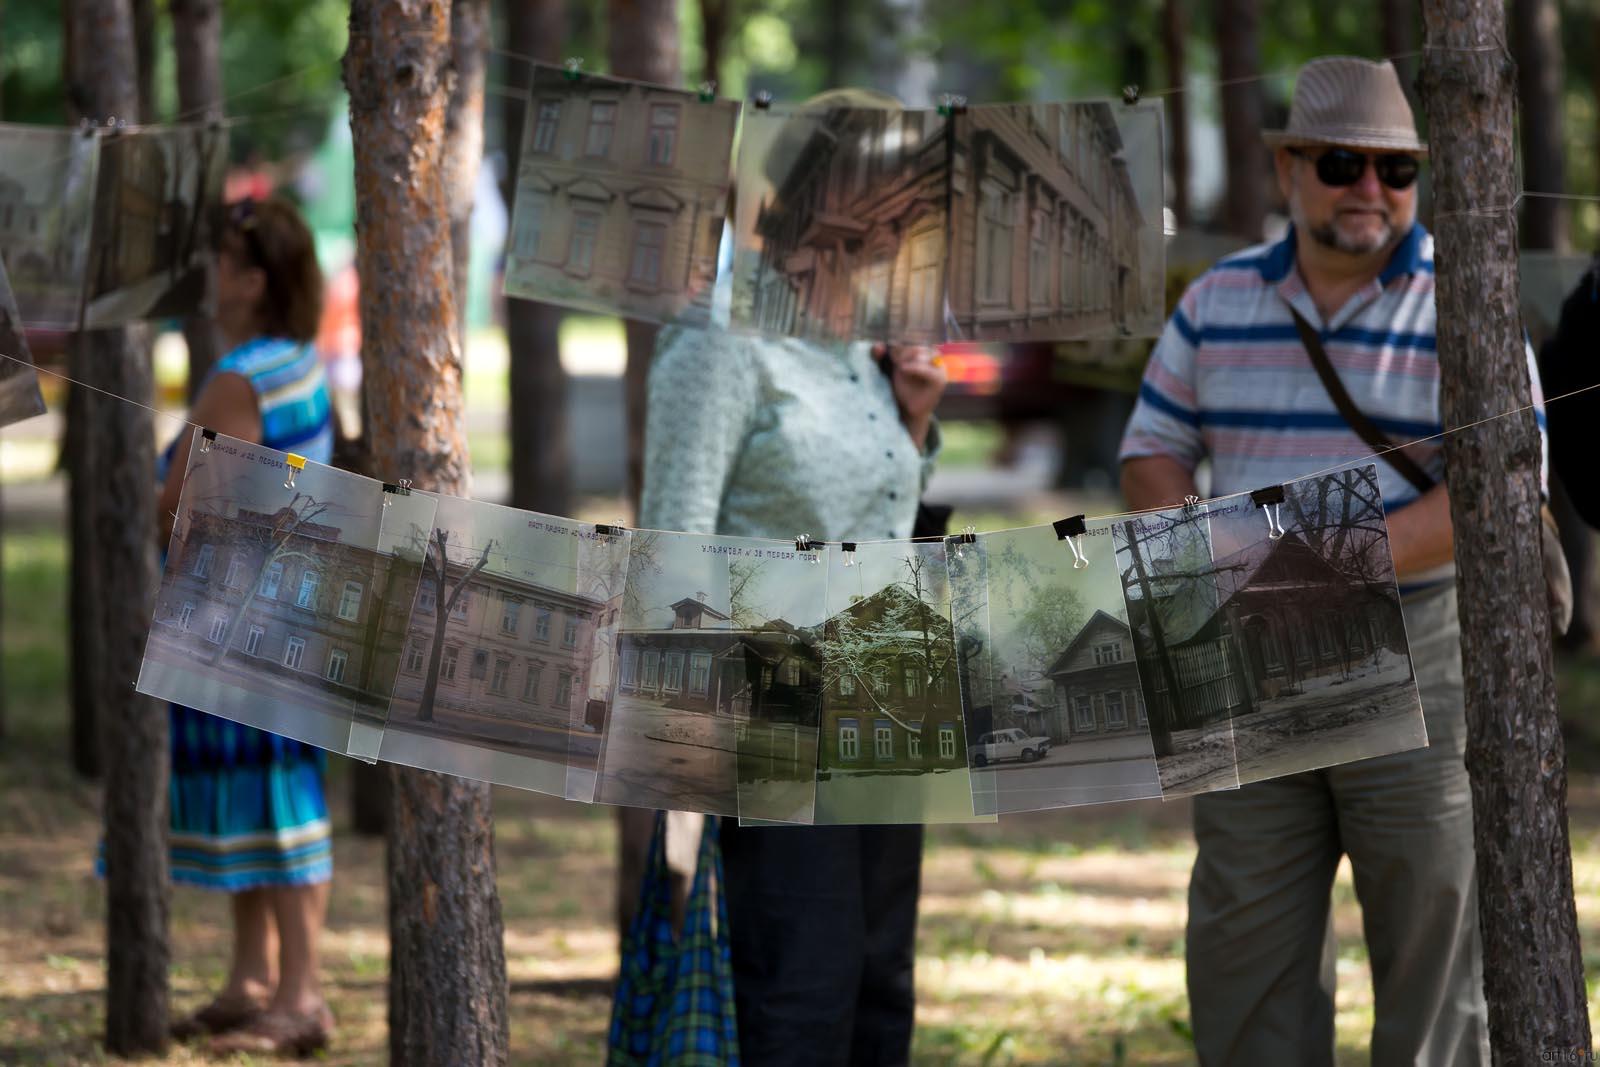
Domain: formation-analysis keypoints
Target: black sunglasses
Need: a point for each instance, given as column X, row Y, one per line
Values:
column 1338, row 167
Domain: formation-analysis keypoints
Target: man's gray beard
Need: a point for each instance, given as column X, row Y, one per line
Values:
column 1328, row 236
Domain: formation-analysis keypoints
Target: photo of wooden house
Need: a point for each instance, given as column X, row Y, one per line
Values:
column 1096, row 686
column 47, row 189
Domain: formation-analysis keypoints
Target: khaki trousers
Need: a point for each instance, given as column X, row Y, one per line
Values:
column 1260, row 941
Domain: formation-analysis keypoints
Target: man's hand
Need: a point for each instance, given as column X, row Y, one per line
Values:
column 918, row 378
column 1155, row 482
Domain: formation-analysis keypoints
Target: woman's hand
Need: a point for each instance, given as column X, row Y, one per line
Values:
column 918, row 378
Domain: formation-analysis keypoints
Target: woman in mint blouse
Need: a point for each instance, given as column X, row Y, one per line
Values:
column 762, row 437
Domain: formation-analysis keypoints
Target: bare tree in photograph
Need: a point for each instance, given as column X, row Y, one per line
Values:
column 744, row 579
column 437, row 569
column 1533, row 963
column 197, row 44
column 447, row 987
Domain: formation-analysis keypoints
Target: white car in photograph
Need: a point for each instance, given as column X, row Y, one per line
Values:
column 1012, row 744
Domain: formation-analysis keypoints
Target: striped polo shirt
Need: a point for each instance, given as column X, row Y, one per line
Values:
column 1229, row 380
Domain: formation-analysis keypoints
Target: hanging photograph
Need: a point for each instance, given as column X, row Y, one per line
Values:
column 1188, row 668
column 620, row 196
column 603, row 558
column 158, row 202
column 267, row 612
column 1324, row 671
column 1056, row 228
column 19, row 381
column 893, row 745
column 498, row 649
column 841, row 222
column 1065, row 721
column 47, row 188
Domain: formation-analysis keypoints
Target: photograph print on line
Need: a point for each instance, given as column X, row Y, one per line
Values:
column 620, row 197
column 19, row 381
column 47, row 192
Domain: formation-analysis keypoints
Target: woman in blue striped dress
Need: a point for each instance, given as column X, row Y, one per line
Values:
column 249, row 816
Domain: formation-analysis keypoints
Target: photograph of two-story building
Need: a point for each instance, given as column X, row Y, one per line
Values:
column 19, row 381
column 893, row 741
column 511, row 623
column 1056, row 222
column 840, row 233
column 621, row 193
column 158, row 201
column 47, row 187
column 274, row 608
column 1062, row 673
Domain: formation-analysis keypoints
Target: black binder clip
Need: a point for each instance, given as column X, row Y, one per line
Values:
column 1071, row 531
column 848, row 548
column 1130, row 94
column 708, row 91
column 610, row 530
column 808, row 548
column 1270, row 500
column 952, row 104
column 394, row 489
column 206, row 438
column 572, row 68
column 763, row 100
column 968, row 536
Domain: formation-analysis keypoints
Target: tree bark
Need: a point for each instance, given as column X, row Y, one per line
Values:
column 541, row 461
column 115, row 516
column 144, row 49
column 1174, row 46
column 1541, row 74
column 715, row 16
column 1238, row 27
column 1533, row 969
column 447, row 986
column 197, row 42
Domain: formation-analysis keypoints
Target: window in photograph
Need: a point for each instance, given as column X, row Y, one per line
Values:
column 914, row 744
column 699, row 673
column 1085, row 270
column 630, row 668
column 350, row 601
column 1324, row 636
column 510, row 613
column 924, row 291
column 541, row 624
column 1138, row 707
column 219, row 628
column 546, row 125
column 1110, row 652
column 463, row 597
column 672, row 682
column 294, row 650
column 651, row 664
column 530, row 684
column 1039, row 259
column 947, row 741
column 847, row 685
column 1302, row 640
column 1116, row 714
column 202, row 561
column 427, row 594
column 186, row 615
column 337, row 659
column 569, row 632
column 414, row 655
column 447, row 666
column 994, row 242
column 911, row 676
column 849, row 740
column 663, row 147
column 880, row 685
column 882, row 741
column 602, row 124
column 649, row 241
column 1271, row 647
column 1083, row 714
column 497, row 679
column 307, row 597
column 480, row 664
column 530, row 215
column 235, row 572
column 563, row 689
column 271, row 580
column 252, row 640
column 766, row 680
column 791, row 672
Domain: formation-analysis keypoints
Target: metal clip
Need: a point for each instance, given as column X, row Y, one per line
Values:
column 763, row 100
column 1270, row 500
column 847, row 551
column 968, row 536
column 708, row 91
column 296, row 465
column 572, row 68
column 394, row 489
column 952, row 104
column 611, row 532
column 206, row 437
column 1071, row 531
column 1130, row 94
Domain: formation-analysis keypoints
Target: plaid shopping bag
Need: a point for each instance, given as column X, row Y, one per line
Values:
column 674, row 1003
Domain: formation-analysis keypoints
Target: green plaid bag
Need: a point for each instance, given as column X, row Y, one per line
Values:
column 674, row 1003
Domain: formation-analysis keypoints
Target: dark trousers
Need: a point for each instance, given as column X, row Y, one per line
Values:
column 823, row 925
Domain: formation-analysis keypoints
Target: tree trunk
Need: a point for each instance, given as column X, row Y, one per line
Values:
column 463, row 138
column 1174, row 45
column 1238, row 27
column 114, row 521
column 541, row 461
column 1400, row 39
column 714, row 19
column 1536, row 37
column 197, row 42
column 144, row 48
column 1532, row 967
column 447, row 985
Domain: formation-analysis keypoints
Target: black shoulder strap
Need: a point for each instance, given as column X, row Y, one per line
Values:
column 1363, row 426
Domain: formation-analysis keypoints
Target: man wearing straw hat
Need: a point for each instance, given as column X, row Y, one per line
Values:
column 1235, row 380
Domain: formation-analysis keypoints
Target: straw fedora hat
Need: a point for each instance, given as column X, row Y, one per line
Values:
column 1352, row 103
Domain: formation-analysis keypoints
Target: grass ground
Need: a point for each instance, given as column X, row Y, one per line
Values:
column 1048, row 939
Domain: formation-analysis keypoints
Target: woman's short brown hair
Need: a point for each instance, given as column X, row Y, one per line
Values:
column 270, row 234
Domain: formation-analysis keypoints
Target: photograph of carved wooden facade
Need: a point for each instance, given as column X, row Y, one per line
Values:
column 505, row 631
column 47, row 185
column 273, row 603
column 19, row 381
column 1056, row 224
column 841, row 226
column 158, row 201
column 620, row 198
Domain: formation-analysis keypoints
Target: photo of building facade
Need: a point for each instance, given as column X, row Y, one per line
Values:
column 620, row 197
column 19, row 381
column 1095, row 685
column 47, row 189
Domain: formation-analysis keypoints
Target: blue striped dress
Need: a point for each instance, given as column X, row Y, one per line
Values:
column 248, row 809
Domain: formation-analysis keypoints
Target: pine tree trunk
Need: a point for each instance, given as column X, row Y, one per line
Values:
column 1532, row 967
column 447, row 985
column 1238, row 27
column 197, row 43
column 541, row 460
column 1174, row 44
column 117, row 522
column 1541, row 74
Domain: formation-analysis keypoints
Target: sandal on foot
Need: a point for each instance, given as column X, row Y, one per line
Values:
column 279, row 1033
